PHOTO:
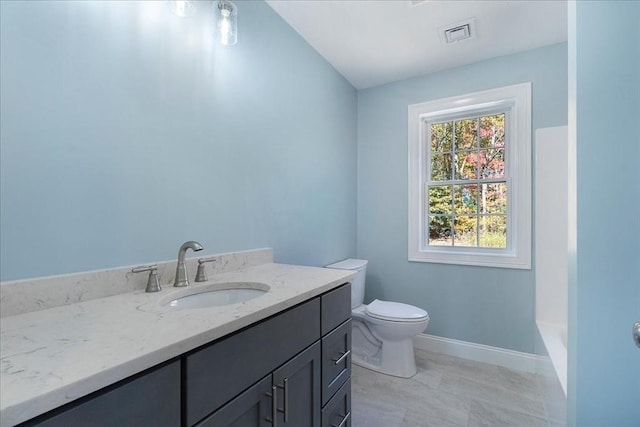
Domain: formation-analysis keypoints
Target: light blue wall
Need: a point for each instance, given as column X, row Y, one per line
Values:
column 490, row 306
column 604, row 299
column 126, row 132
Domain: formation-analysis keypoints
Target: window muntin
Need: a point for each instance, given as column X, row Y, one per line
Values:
column 466, row 185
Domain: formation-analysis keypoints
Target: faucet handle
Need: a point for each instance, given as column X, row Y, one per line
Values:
column 201, row 274
column 153, row 284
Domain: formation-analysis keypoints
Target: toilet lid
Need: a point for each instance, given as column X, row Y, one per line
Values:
column 395, row 311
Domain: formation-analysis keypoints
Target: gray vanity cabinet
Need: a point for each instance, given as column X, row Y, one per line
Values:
column 294, row 366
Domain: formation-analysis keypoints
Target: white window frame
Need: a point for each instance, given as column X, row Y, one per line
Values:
column 515, row 101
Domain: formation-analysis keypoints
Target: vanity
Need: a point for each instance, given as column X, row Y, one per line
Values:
column 281, row 359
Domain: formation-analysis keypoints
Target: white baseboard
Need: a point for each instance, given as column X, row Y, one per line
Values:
column 516, row 360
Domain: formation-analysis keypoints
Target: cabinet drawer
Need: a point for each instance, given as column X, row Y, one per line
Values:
column 336, row 307
column 219, row 372
column 153, row 398
column 337, row 413
column 336, row 360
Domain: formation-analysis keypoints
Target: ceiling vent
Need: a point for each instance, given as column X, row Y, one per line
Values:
column 459, row 31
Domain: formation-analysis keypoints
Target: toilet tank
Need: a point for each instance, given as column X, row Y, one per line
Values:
column 357, row 284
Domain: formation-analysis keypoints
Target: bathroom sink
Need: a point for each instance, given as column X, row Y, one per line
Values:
column 215, row 295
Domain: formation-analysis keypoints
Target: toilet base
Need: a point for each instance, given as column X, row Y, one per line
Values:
column 406, row 371
column 391, row 357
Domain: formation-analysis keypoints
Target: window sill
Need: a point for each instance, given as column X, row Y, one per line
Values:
column 488, row 258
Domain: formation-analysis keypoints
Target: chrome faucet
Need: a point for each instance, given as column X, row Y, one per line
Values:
column 181, row 270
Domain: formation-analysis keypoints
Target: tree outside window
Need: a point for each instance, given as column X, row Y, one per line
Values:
column 467, row 190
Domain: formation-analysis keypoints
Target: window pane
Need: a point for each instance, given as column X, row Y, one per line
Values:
column 493, row 198
column 466, row 134
column 493, row 231
column 441, row 136
column 466, row 231
column 467, row 215
column 492, row 163
column 465, row 199
column 440, row 231
column 466, row 165
column 492, row 131
column 440, row 200
column 441, row 167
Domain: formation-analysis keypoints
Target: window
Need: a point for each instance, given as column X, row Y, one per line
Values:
column 470, row 179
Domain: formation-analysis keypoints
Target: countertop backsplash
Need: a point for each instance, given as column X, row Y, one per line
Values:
column 27, row 295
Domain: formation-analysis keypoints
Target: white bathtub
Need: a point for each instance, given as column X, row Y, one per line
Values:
column 554, row 337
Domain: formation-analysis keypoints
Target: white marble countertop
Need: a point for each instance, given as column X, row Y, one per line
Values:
column 52, row 357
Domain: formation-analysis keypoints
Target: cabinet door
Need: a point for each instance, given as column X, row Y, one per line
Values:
column 298, row 390
column 151, row 399
column 250, row 409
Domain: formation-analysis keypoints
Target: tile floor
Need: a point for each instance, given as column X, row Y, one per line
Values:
column 448, row 391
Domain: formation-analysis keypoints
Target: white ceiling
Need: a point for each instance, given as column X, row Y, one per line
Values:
column 380, row 41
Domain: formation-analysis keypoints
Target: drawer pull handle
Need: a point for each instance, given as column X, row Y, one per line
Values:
column 274, row 405
column 285, row 405
column 341, row 358
column 343, row 422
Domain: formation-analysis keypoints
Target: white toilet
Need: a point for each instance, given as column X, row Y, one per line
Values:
column 383, row 331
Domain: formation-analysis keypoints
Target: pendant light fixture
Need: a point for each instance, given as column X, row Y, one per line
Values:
column 226, row 22
column 225, row 18
column 182, row 8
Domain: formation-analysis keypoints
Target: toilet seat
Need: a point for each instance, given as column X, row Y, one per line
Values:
column 395, row 312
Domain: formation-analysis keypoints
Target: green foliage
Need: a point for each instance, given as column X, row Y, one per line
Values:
column 493, row 240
